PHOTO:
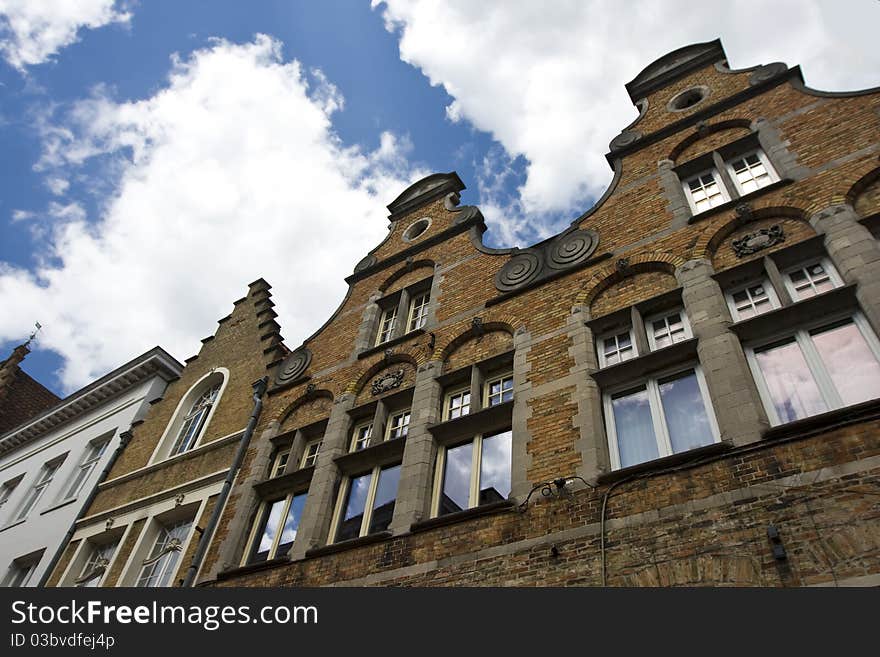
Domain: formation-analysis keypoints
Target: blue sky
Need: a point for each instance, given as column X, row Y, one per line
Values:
column 161, row 155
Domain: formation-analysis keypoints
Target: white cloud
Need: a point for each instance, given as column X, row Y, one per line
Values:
column 230, row 172
column 57, row 185
column 546, row 79
column 33, row 31
column 22, row 215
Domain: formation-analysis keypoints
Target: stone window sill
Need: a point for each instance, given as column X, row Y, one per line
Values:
column 286, row 483
column 642, row 366
column 380, row 348
column 252, row 568
column 732, row 203
column 58, row 505
column 493, row 418
column 13, row 524
column 840, row 417
column 461, row 516
column 658, row 465
column 351, row 543
column 384, row 453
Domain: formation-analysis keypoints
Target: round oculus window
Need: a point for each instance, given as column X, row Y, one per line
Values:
column 688, row 98
column 416, row 229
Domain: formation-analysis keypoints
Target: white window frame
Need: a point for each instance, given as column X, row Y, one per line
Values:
column 418, row 310
column 8, row 488
column 649, row 326
column 404, row 413
column 88, row 462
column 95, row 552
column 655, row 403
column 170, row 566
column 25, row 569
column 476, row 468
column 368, row 438
column 719, row 181
column 279, row 463
column 308, row 456
column 447, row 402
column 833, row 276
column 768, row 167
column 600, row 346
column 768, row 287
column 256, row 533
column 342, row 498
column 813, row 359
column 387, row 324
column 497, row 377
column 38, row 488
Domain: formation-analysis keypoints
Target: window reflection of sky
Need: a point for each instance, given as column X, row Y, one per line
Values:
column 386, row 493
column 850, row 362
column 272, row 522
column 635, row 431
column 495, row 468
column 350, row 526
column 457, row 478
column 792, row 388
column 685, row 413
column 291, row 524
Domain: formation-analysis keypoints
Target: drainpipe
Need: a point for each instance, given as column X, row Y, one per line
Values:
column 124, row 439
column 205, row 540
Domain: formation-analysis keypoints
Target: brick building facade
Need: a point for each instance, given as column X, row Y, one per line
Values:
column 680, row 388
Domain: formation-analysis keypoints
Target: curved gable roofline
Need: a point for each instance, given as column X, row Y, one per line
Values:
column 424, row 191
column 672, row 66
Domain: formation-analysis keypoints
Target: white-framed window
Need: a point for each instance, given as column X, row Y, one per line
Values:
column 20, row 572
column 195, row 420
column 44, row 478
column 658, row 417
column 751, row 300
column 751, row 171
column 280, row 462
column 276, row 528
column 667, row 329
column 705, row 191
column 92, row 455
column 473, row 473
column 418, row 311
column 310, row 453
column 616, row 347
column 159, row 567
column 387, row 324
column 398, row 426
column 8, row 488
column 816, row 369
column 96, row 565
column 361, row 436
column 457, row 404
column 809, row 279
column 499, row 389
column 365, row 504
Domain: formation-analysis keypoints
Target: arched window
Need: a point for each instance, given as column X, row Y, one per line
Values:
column 193, row 413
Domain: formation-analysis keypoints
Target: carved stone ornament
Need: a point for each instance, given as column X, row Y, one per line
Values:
column 622, row 264
column 756, row 241
column 624, row 139
column 387, row 382
column 179, row 499
column 767, row 72
column 365, row 262
column 520, row 270
column 743, row 212
column 294, row 366
column 548, row 258
column 109, row 523
column 311, row 388
column 571, row 249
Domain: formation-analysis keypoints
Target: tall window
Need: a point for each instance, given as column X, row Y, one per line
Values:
column 387, row 325
column 398, row 427
column 361, row 437
column 659, row 417
column 310, row 453
column 418, row 311
column 276, row 528
column 91, row 457
column 816, row 370
column 7, row 489
column 161, row 563
column 96, row 565
column 194, row 421
column 47, row 473
column 366, row 503
column 21, row 570
column 473, row 473
column 279, row 463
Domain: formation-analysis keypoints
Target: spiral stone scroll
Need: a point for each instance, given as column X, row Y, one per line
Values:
column 520, row 270
column 294, row 366
column 571, row 249
column 767, row 72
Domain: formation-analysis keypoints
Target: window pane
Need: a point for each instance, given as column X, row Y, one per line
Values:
column 455, row 494
column 291, row 524
column 790, row 383
column 270, row 529
column 636, row 442
column 685, row 411
column 350, row 527
column 850, row 362
column 386, row 493
column 495, row 468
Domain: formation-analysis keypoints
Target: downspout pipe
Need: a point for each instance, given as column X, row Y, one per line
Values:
column 205, row 540
column 124, row 439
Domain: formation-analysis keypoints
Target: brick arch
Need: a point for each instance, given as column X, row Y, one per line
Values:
column 610, row 274
column 866, row 188
column 699, row 570
column 721, row 126
column 506, row 323
column 713, row 235
column 427, row 265
column 355, row 386
column 284, row 413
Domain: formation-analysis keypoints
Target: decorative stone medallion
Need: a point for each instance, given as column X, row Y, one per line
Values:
column 624, row 139
column 520, row 270
column 368, row 261
column 386, row 382
column 294, row 366
column 756, row 241
column 571, row 249
column 767, row 72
